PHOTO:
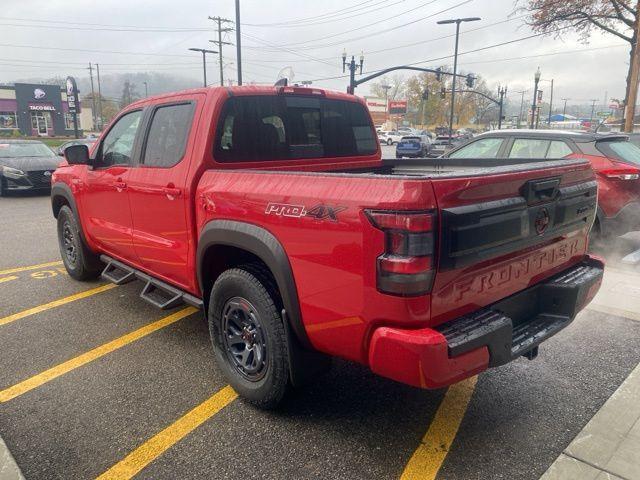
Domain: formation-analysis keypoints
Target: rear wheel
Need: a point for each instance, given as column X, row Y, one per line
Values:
column 80, row 262
column 389, row 141
column 248, row 335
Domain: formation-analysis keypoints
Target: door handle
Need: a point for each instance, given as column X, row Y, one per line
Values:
column 171, row 192
column 120, row 186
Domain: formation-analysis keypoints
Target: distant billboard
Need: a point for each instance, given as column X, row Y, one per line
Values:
column 397, row 107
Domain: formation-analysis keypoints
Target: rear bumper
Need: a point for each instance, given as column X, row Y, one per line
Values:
column 490, row 337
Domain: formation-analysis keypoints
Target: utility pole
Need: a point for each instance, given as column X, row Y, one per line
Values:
column 551, row 103
column 593, row 108
column 146, row 89
column 220, row 43
column 238, row 47
column 564, row 109
column 204, row 52
column 536, row 78
column 457, row 21
column 99, row 99
column 502, row 92
column 630, row 105
column 521, row 106
column 93, row 97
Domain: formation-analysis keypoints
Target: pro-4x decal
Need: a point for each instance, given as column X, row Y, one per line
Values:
column 319, row 211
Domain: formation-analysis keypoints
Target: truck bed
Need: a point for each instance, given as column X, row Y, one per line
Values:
column 433, row 168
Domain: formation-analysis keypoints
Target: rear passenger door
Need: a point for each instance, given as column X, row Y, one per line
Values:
column 159, row 193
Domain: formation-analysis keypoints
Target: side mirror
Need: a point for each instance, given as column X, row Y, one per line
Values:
column 77, row 155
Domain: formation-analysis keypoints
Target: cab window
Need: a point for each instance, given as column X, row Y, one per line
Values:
column 261, row 128
column 167, row 137
column 117, row 146
column 483, row 148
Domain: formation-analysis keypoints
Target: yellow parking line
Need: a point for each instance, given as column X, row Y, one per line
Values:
column 30, row 267
column 8, row 279
column 76, row 362
column 161, row 442
column 428, row 457
column 55, row 303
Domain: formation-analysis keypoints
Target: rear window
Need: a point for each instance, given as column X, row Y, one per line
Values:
column 411, row 139
column 621, row 150
column 261, row 128
column 23, row 150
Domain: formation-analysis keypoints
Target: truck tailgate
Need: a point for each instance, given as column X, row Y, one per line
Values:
column 501, row 233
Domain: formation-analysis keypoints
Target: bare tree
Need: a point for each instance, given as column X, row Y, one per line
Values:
column 616, row 17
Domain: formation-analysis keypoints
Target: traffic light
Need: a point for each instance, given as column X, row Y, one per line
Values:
column 443, row 92
column 470, row 81
column 425, row 95
column 439, row 74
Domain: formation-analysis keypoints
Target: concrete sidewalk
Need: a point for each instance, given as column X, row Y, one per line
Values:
column 8, row 468
column 608, row 447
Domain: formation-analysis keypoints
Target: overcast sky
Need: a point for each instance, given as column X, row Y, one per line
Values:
column 309, row 37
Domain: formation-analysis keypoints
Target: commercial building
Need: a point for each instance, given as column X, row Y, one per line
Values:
column 39, row 110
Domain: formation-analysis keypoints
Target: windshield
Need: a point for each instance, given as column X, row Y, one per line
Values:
column 13, row 150
column 410, row 139
column 621, row 150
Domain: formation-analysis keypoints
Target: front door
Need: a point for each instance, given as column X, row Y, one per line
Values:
column 105, row 201
column 159, row 193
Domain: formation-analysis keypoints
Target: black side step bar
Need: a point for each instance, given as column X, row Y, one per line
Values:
column 156, row 292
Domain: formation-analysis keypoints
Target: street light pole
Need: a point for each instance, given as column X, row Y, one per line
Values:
column 146, row 89
column 204, row 60
column 535, row 98
column 502, row 92
column 564, row 109
column 238, row 46
column 386, row 101
column 457, row 21
column 353, row 66
column 593, row 108
column 551, row 103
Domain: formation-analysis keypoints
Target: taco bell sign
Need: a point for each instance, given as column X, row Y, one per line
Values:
column 72, row 96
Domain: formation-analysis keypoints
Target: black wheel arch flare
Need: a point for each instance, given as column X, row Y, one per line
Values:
column 262, row 244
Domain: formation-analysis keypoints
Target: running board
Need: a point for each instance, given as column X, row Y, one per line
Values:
column 156, row 292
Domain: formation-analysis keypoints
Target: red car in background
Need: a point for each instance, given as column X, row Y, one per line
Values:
column 613, row 157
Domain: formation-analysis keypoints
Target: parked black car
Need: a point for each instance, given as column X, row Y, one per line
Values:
column 26, row 165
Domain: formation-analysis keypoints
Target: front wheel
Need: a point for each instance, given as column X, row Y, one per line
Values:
column 80, row 262
column 248, row 335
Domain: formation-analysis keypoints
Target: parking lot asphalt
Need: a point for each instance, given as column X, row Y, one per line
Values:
column 97, row 383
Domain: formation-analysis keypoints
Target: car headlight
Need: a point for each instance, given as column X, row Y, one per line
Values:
column 12, row 172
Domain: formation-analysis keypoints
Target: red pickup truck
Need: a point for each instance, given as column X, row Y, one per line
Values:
column 271, row 209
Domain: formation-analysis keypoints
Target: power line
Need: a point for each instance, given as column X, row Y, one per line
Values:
column 315, row 17
column 320, row 21
column 379, row 32
column 371, row 24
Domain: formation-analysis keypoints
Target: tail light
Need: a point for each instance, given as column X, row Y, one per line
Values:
column 406, row 267
column 622, row 173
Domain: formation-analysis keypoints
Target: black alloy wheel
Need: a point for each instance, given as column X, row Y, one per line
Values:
column 244, row 340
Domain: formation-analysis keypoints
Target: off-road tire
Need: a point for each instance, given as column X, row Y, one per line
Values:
column 80, row 262
column 254, row 286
